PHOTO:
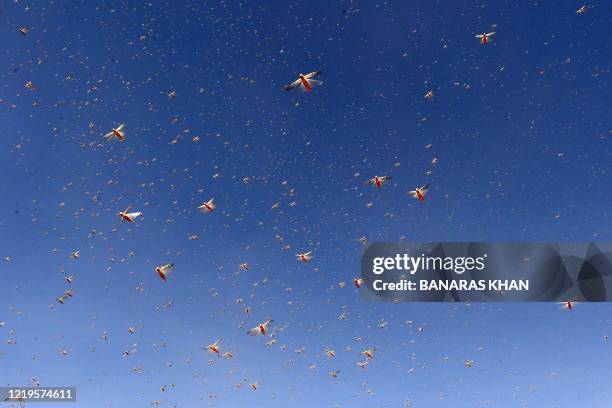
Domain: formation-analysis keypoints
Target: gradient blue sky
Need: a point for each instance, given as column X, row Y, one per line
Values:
column 521, row 128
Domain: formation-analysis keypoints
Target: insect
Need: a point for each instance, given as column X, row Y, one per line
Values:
column 260, row 329
column 117, row 133
column 362, row 364
column 369, row 353
column 214, row 348
column 164, row 270
column 305, row 83
column 304, row 257
column 128, row 216
column 358, row 281
column 419, row 192
column 568, row 305
column 378, row 181
column 208, row 206
column 485, row 37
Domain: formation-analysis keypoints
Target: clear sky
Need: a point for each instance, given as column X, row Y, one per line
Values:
column 520, row 128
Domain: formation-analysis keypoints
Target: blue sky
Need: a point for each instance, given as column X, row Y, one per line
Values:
column 521, row 128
